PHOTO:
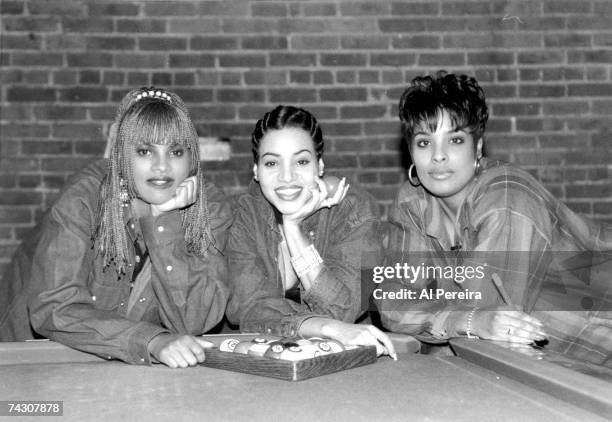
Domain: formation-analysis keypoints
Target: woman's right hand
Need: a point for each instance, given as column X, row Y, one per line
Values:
column 505, row 323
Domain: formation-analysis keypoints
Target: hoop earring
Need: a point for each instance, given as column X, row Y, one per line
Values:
column 124, row 195
column 477, row 166
column 410, row 178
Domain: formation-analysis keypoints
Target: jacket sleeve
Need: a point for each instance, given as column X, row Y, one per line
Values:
column 61, row 304
column 191, row 290
column 510, row 238
column 355, row 247
column 254, row 301
column 414, row 316
column 63, row 308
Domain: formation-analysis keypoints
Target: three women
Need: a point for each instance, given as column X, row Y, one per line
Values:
column 129, row 262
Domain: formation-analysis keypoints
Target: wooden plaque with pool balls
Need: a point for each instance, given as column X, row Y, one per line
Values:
column 286, row 358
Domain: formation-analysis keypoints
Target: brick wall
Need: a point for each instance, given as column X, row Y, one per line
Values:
column 545, row 66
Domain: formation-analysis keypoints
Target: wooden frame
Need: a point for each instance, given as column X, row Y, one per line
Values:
column 290, row 370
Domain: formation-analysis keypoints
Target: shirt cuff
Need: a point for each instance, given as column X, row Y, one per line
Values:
column 285, row 327
column 138, row 352
column 323, row 289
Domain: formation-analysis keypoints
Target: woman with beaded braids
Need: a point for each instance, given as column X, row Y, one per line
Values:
column 128, row 263
column 297, row 248
column 509, row 261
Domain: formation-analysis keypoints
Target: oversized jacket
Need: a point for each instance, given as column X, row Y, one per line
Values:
column 348, row 238
column 555, row 264
column 56, row 285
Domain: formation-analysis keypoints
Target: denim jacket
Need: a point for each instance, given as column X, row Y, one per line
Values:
column 347, row 237
column 545, row 254
column 57, row 283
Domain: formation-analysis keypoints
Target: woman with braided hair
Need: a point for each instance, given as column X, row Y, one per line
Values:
column 297, row 247
column 128, row 263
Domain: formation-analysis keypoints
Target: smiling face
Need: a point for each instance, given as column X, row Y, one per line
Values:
column 287, row 165
column 444, row 160
column 157, row 170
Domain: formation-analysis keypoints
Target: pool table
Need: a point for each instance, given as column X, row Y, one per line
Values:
column 415, row 387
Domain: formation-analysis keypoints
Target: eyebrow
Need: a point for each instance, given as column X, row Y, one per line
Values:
column 297, row 153
column 455, row 130
column 151, row 144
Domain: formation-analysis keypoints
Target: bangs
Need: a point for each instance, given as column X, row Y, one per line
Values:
column 424, row 113
column 157, row 123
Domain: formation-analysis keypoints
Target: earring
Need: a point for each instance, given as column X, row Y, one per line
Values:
column 410, row 178
column 124, row 196
column 477, row 167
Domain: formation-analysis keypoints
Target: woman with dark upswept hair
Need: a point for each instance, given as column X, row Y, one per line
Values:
column 128, row 263
column 525, row 268
column 299, row 242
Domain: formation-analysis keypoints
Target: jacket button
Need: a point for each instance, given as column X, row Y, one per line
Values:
column 169, row 268
column 160, row 228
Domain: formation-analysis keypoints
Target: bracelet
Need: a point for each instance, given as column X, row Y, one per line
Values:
column 306, row 260
column 468, row 331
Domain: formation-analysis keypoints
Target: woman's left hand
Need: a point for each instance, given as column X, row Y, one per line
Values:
column 185, row 195
column 315, row 198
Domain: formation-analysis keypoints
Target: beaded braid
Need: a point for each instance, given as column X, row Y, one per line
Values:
column 287, row 116
column 157, row 116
